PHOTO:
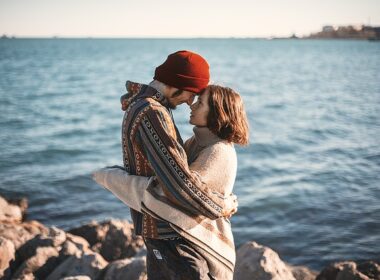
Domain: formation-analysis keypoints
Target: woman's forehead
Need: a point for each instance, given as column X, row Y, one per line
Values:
column 204, row 96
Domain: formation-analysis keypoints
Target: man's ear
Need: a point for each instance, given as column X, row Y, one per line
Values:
column 170, row 90
column 167, row 90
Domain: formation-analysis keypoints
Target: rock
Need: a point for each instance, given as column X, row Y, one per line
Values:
column 69, row 249
column 80, row 242
column 90, row 265
column 40, row 264
column 28, row 252
column 74, row 246
column 9, row 212
column 20, row 202
column 370, row 268
column 112, row 239
column 342, row 271
column 262, row 263
column 119, row 242
column 20, row 233
column 92, row 232
column 54, row 238
column 28, row 276
column 79, row 277
column 303, row 273
column 133, row 268
column 349, row 272
column 7, row 253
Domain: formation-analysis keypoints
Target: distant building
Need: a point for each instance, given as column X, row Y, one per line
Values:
column 360, row 32
column 328, row 28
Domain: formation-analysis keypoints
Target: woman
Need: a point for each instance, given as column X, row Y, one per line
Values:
column 220, row 121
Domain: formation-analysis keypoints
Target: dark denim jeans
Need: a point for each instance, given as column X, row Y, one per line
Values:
column 174, row 260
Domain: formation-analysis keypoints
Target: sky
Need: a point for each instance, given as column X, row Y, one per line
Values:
column 183, row 19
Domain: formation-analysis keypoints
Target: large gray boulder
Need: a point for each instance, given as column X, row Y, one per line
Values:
column 54, row 238
column 33, row 249
column 90, row 265
column 38, row 265
column 370, row 268
column 20, row 233
column 113, row 239
column 302, row 272
column 93, row 232
column 74, row 246
column 349, row 270
column 39, row 255
column 256, row 262
column 132, row 268
column 119, row 242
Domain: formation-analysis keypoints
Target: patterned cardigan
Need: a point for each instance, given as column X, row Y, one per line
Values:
column 214, row 160
column 152, row 146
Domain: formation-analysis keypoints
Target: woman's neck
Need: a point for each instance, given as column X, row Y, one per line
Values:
column 204, row 136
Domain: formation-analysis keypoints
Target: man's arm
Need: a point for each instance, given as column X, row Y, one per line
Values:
column 167, row 158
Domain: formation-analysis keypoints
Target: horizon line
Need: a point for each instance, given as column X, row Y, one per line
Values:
column 6, row 36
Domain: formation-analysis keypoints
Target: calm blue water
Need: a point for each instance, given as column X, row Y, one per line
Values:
column 308, row 184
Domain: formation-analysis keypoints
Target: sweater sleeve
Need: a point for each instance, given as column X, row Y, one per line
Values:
column 169, row 162
column 128, row 188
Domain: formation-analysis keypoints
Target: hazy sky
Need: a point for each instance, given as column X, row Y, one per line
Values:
column 170, row 18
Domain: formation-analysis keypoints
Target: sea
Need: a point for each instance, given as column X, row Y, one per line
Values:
column 308, row 184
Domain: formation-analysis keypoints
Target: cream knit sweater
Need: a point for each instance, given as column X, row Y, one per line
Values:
column 215, row 161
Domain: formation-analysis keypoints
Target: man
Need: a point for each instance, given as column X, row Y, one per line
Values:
column 152, row 146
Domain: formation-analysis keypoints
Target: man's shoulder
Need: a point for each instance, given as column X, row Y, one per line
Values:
column 149, row 105
column 152, row 110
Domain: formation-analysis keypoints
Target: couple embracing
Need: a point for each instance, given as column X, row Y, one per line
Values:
column 180, row 193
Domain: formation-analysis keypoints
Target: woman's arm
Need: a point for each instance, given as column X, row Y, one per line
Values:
column 130, row 189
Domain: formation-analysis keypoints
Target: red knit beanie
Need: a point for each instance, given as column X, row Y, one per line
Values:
column 184, row 70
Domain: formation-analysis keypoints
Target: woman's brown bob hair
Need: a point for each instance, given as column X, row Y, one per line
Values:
column 227, row 117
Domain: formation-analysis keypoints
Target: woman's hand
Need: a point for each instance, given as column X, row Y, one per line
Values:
column 231, row 206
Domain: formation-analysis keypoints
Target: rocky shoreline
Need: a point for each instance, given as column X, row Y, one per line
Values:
column 108, row 250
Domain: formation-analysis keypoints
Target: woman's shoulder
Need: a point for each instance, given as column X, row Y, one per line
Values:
column 220, row 150
column 221, row 146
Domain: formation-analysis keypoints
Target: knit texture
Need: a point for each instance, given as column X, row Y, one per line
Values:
column 184, row 70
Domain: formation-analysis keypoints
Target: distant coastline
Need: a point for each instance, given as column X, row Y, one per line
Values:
column 351, row 32
column 361, row 32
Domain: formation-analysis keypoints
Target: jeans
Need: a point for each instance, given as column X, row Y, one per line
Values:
column 174, row 260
